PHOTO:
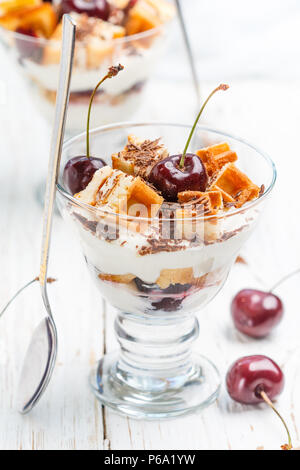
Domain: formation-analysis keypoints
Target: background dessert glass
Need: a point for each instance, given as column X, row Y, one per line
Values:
column 158, row 278
column 37, row 59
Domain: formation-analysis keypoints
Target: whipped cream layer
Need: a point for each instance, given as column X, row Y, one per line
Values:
column 137, row 68
column 122, row 256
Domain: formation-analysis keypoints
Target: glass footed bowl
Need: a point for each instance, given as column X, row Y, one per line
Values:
column 158, row 274
column 38, row 61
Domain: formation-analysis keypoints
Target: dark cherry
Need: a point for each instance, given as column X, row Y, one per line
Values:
column 170, row 179
column 167, row 304
column 256, row 379
column 96, row 8
column 249, row 376
column 27, row 48
column 184, row 172
column 255, row 313
column 79, row 171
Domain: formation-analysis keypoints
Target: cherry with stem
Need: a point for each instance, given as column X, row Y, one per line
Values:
column 183, row 172
column 220, row 87
column 256, row 312
column 253, row 379
column 79, row 170
column 112, row 72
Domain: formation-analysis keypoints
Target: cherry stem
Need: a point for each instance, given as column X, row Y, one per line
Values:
column 50, row 280
column 265, row 397
column 283, row 279
column 112, row 72
column 220, row 87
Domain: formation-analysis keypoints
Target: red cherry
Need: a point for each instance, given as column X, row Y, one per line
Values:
column 79, row 171
column 255, row 313
column 30, row 47
column 96, row 8
column 251, row 375
column 254, row 379
column 182, row 172
column 170, row 179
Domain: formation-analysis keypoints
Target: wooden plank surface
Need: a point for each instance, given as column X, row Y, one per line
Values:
column 69, row 417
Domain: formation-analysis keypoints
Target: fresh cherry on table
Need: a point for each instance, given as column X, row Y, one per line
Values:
column 96, row 8
column 184, row 172
column 255, row 313
column 79, row 171
column 256, row 379
column 251, row 375
column 170, row 179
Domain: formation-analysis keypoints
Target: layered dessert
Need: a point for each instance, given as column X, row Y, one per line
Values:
column 131, row 32
column 159, row 237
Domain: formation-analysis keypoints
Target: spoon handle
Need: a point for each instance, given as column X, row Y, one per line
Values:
column 188, row 51
column 62, row 100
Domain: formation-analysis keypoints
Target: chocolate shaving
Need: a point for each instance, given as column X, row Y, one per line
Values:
column 142, row 154
column 159, row 245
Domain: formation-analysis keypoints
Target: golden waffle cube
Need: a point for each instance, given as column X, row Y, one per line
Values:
column 10, row 21
column 215, row 157
column 41, row 19
column 235, row 185
column 214, row 199
column 148, row 14
column 11, row 6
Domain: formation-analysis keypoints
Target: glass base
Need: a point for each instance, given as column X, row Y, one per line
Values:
column 166, row 399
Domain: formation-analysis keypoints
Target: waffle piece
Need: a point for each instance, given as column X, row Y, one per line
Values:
column 148, row 14
column 118, row 278
column 11, row 6
column 235, row 186
column 184, row 276
column 175, row 276
column 41, row 19
column 212, row 199
column 215, row 157
column 139, row 156
column 121, row 193
column 97, row 36
column 89, row 194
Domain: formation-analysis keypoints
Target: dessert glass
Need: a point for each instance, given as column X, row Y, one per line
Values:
column 155, row 374
column 116, row 100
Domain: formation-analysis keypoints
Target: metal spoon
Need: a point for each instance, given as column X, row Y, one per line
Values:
column 189, row 51
column 41, row 354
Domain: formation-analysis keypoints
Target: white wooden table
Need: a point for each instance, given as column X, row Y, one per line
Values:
column 69, row 417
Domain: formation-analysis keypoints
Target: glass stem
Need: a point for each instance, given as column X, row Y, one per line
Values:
column 155, row 355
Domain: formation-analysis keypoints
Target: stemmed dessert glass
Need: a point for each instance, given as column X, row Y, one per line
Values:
column 37, row 60
column 159, row 275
